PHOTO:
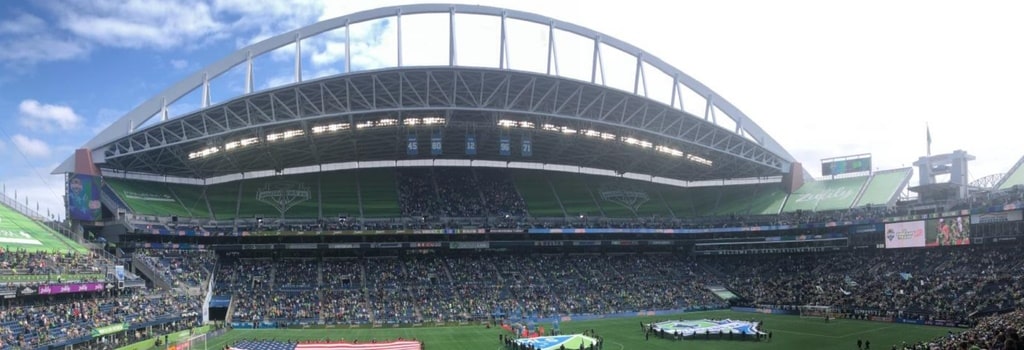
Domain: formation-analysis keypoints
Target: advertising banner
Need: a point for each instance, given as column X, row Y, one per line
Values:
column 51, row 289
column 1005, row 216
column 114, row 328
column 904, row 234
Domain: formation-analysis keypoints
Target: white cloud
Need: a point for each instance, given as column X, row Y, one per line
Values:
column 31, row 147
column 138, row 24
column 192, row 23
column 47, row 117
column 32, row 49
column 23, row 23
column 179, row 64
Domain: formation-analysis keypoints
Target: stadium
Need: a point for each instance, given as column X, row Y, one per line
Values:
column 458, row 205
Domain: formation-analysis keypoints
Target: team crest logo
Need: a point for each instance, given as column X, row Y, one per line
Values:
column 690, row 328
column 572, row 341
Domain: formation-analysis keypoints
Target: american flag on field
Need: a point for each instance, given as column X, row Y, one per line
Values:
column 270, row 345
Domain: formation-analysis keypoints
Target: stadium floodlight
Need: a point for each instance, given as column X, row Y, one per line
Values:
column 387, row 122
column 366, row 124
column 549, row 127
column 595, row 133
column 411, row 121
column 204, row 153
column 241, row 143
column 433, row 120
column 330, row 128
column 526, row 124
column 285, row 135
column 669, row 150
column 637, row 142
column 507, row 123
column 699, row 160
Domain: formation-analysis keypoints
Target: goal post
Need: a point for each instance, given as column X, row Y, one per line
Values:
column 195, row 342
column 816, row 311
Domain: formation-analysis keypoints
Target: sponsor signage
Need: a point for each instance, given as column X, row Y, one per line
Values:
column 469, row 245
column 66, row 288
column 114, row 328
column 905, row 234
column 1005, row 216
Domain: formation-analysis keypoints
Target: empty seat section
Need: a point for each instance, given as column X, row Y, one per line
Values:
column 885, row 186
column 340, row 196
column 379, row 193
column 536, row 191
column 147, row 198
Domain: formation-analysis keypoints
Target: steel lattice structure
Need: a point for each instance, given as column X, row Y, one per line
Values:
column 471, row 99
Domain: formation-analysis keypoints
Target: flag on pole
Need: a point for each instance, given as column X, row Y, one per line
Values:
column 928, row 134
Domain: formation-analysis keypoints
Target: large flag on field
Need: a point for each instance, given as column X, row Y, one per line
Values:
column 272, row 345
column 397, row 345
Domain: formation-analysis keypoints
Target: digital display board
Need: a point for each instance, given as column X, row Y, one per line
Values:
column 948, row 231
column 909, row 234
column 838, row 167
column 83, row 196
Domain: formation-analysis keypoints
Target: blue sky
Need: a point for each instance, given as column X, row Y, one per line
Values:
column 825, row 78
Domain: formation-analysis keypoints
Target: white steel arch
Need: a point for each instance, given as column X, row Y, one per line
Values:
column 157, row 105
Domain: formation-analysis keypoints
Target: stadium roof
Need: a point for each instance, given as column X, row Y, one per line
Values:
column 375, row 114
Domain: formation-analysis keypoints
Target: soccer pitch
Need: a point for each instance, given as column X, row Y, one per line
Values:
column 788, row 332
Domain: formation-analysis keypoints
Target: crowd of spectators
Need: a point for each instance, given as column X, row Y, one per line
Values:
column 921, row 284
column 997, row 332
column 29, row 322
column 20, row 261
column 179, row 268
column 469, row 288
column 451, row 193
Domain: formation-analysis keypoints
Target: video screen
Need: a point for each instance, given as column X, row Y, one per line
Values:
column 949, row 231
column 83, row 197
column 908, row 234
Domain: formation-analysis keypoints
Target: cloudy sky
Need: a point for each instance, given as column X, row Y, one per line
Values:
column 824, row 78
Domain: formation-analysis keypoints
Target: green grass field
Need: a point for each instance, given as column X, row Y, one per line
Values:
column 789, row 332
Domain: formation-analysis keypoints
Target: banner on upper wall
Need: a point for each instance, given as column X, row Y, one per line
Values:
column 527, row 147
column 435, row 143
column 411, row 148
column 83, row 196
column 505, row 146
column 1005, row 216
column 905, row 234
column 470, row 145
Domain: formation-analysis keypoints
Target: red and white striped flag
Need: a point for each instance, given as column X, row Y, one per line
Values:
column 397, row 345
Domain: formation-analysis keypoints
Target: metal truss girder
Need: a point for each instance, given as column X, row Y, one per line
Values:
column 451, row 89
column 498, row 92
